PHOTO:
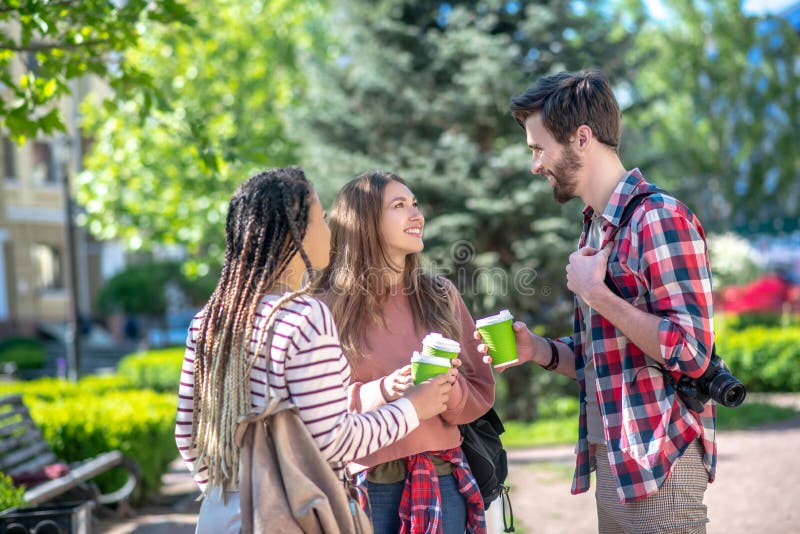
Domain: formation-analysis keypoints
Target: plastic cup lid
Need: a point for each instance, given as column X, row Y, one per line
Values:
column 438, row 341
column 433, row 360
column 503, row 315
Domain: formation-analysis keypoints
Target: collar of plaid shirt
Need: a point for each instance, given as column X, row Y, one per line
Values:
column 421, row 503
column 646, row 426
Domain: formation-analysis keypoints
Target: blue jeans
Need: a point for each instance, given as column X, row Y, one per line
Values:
column 385, row 502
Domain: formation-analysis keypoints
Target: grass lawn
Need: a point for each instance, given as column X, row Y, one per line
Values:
column 565, row 429
column 751, row 414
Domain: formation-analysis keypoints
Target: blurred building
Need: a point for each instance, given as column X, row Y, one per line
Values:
column 34, row 284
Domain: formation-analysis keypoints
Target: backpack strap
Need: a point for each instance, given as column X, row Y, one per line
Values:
column 633, row 203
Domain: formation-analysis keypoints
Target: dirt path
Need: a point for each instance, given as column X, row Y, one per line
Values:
column 755, row 490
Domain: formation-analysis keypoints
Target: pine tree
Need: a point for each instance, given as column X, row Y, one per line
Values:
column 422, row 89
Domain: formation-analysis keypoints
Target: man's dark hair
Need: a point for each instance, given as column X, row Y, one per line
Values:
column 568, row 100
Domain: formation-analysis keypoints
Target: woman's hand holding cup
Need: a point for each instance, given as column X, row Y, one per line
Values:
column 394, row 385
column 430, row 397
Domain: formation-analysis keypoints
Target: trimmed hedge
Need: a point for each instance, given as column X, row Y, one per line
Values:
column 85, row 419
column 24, row 352
column 159, row 370
column 741, row 321
column 763, row 358
column 53, row 389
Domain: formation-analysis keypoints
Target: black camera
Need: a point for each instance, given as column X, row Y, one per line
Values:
column 716, row 383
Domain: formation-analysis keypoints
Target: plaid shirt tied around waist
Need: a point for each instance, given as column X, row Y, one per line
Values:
column 660, row 265
column 421, row 503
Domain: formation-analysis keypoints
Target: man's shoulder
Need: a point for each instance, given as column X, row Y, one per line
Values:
column 656, row 204
column 651, row 196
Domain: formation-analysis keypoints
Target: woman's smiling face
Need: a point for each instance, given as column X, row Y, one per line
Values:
column 401, row 222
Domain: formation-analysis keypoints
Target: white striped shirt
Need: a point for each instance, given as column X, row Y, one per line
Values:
column 307, row 366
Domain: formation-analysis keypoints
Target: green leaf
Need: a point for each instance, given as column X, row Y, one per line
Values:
column 51, row 122
column 83, row 36
column 40, row 23
column 193, row 116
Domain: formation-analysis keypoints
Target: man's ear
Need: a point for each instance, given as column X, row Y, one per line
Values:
column 584, row 135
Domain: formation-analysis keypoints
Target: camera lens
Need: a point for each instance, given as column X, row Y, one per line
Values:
column 733, row 395
column 726, row 389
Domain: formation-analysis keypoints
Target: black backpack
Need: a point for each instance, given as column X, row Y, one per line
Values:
column 488, row 460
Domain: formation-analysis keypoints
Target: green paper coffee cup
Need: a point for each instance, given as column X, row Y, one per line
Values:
column 435, row 344
column 424, row 366
column 498, row 335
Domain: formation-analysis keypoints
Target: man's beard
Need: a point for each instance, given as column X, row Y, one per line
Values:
column 565, row 175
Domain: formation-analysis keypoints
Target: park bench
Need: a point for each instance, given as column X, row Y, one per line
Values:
column 23, row 450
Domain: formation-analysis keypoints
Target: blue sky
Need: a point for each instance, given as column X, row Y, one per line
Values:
column 750, row 6
column 767, row 6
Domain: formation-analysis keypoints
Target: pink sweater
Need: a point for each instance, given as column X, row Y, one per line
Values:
column 390, row 349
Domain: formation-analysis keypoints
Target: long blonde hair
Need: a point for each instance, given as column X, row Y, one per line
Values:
column 355, row 281
column 266, row 223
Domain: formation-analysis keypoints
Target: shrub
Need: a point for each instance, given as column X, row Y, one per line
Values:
column 159, row 370
column 138, row 423
column 24, row 352
column 763, row 358
column 10, row 495
column 102, row 413
column 142, row 288
column 741, row 321
column 138, row 289
column 52, row 389
column 100, row 384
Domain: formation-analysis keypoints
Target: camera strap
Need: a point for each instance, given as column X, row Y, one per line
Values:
column 633, row 203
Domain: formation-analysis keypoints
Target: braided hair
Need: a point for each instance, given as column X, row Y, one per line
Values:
column 267, row 220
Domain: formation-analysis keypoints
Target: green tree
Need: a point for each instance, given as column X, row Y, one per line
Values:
column 422, row 89
column 141, row 288
column 45, row 44
column 715, row 113
column 165, row 175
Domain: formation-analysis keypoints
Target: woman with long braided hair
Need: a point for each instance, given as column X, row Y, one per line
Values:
column 276, row 236
column 384, row 304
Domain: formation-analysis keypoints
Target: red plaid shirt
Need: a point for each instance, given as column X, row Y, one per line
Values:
column 421, row 504
column 660, row 264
